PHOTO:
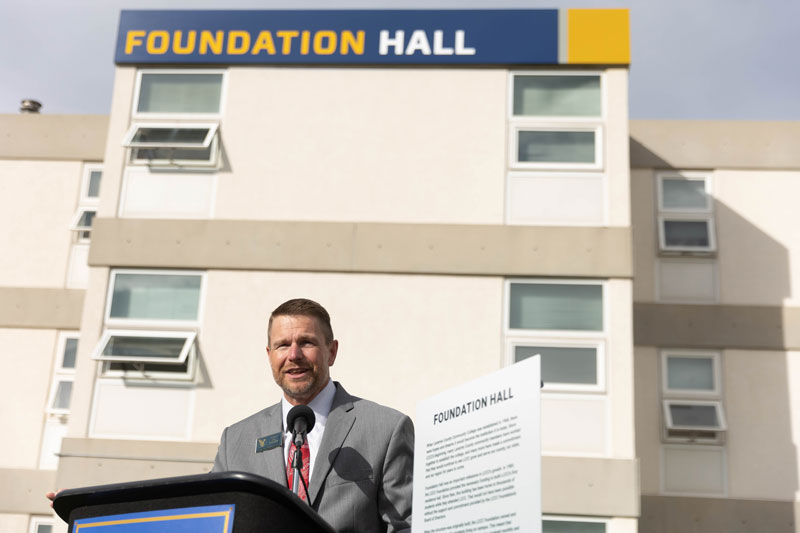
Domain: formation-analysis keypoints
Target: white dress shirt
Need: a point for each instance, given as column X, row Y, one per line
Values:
column 321, row 405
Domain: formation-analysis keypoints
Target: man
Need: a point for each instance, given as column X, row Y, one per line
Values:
column 361, row 453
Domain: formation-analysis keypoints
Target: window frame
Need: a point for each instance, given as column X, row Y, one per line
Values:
column 136, row 115
column 188, row 336
column 88, row 168
column 600, row 360
column 690, row 393
column 516, row 164
column 153, row 323
column 211, row 163
column 559, row 118
column 151, row 376
column 689, row 214
column 76, row 218
column 671, row 426
column 36, row 521
column 212, row 127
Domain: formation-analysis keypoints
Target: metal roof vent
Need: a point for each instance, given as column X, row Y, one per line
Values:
column 30, row 106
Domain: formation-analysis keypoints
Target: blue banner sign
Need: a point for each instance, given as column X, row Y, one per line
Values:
column 476, row 37
column 207, row 519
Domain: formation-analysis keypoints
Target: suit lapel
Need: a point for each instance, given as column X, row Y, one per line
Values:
column 340, row 421
column 273, row 459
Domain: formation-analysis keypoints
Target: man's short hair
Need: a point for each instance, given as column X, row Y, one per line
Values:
column 303, row 307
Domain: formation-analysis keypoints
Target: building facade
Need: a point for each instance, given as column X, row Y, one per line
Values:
column 454, row 218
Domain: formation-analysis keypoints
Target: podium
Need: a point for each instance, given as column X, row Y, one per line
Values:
column 224, row 502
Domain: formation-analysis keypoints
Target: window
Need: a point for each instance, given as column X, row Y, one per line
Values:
column 183, row 98
column 691, row 392
column 552, row 524
column 41, row 524
column 81, row 223
column 156, row 313
column 556, row 121
column 562, row 321
column 685, row 213
column 63, row 375
column 187, row 92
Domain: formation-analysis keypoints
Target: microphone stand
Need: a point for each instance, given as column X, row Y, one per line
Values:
column 298, row 438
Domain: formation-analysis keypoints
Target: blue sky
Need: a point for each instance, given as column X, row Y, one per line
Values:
column 691, row 59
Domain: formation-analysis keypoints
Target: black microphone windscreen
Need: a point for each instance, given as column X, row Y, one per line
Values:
column 300, row 418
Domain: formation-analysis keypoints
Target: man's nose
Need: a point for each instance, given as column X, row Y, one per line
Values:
column 294, row 351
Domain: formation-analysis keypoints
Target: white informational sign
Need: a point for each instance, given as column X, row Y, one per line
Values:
column 477, row 460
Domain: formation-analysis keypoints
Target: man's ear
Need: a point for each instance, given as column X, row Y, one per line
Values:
column 333, row 348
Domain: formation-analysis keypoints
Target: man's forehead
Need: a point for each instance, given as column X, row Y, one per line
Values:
column 291, row 324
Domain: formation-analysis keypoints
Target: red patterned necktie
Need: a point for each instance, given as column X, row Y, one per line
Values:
column 301, row 491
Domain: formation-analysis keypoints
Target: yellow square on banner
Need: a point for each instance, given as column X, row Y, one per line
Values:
column 598, row 36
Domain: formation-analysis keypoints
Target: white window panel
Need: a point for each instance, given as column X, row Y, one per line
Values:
column 154, row 297
column 162, row 412
column 555, row 306
column 687, row 280
column 689, row 415
column 686, row 233
column 687, row 373
column 55, row 430
column 588, row 432
column 557, row 95
column 567, row 365
column 556, row 147
column 136, row 346
column 148, row 194
column 170, row 135
column 178, row 92
column 82, row 221
column 694, row 470
column 575, row 199
column 78, row 274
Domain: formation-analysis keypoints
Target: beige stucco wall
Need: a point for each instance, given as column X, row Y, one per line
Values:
column 402, row 338
column 756, row 214
column 617, row 143
column 37, row 203
column 619, row 354
column 26, row 365
column 762, row 408
column 390, row 145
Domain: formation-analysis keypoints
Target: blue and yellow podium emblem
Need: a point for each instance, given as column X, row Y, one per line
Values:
column 206, row 519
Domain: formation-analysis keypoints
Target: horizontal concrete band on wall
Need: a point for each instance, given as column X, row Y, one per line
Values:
column 670, row 514
column 590, row 486
column 63, row 137
column 716, row 326
column 86, row 462
column 24, row 307
column 22, row 490
column 455, row 249
column 706, row 144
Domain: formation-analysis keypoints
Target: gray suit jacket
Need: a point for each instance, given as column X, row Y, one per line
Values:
column 363, row 471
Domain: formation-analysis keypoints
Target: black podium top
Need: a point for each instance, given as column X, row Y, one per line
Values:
column 263, row 500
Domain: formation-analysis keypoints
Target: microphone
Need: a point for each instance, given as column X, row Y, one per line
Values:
column 300, row 420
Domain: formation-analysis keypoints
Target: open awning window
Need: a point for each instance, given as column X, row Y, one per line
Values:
column 694, row 415
column 161, row 135
column 82, row 221
column 129, row 346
